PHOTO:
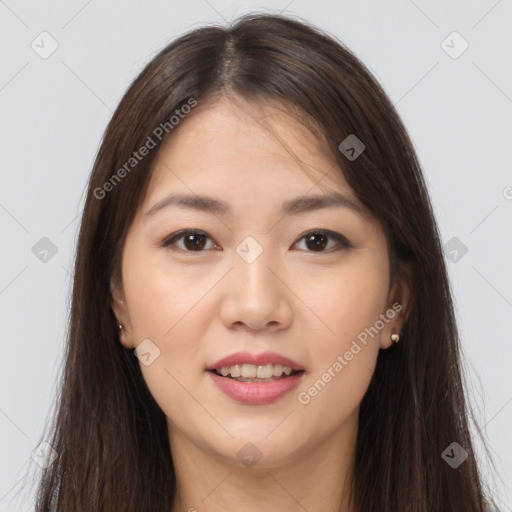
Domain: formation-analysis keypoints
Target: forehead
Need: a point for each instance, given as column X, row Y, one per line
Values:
column 240, row 150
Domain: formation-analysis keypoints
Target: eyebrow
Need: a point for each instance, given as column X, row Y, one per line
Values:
column 298, row 205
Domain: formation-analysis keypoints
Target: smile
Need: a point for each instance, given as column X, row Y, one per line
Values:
column 256, row 379
column 255, row 373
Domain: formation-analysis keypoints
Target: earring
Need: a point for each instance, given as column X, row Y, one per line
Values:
column 395, row 337
column 120, row 327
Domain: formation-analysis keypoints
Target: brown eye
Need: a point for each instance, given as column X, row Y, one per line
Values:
column 317, row 241
column 193, row 240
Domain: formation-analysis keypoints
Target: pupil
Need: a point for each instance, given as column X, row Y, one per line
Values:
column 318, row 244
column 194, row 245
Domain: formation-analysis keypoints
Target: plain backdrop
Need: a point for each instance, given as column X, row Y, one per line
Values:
column 445, row 65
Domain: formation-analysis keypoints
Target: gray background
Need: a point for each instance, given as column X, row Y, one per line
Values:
column 54, row 110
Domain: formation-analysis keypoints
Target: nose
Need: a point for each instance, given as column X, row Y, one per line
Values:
column 256, row 295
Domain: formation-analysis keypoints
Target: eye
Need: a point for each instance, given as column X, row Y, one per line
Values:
column 318, row 240
column 193, row 239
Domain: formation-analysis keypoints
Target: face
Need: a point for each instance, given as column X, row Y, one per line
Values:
column 305, row 287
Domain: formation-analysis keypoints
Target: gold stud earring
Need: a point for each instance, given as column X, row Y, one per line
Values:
column 395, row 337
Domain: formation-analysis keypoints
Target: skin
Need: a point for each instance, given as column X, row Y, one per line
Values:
column 309, row 305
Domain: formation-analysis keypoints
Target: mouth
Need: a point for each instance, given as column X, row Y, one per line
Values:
column 256, row 379
column 245, row 372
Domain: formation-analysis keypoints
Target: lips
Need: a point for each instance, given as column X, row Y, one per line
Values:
column 257, row 359
column 256, row 391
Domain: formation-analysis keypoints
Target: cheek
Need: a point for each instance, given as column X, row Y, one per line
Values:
column 162, row 298
column 343, row 356
column 164, row 310
column 344, row 303
column 166, row 307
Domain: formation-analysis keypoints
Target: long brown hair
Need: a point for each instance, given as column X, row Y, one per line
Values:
column 109, row 434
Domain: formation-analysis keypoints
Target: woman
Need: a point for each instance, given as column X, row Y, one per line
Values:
column 261, row 315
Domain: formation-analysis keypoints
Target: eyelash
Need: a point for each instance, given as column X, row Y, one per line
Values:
column 343, row 243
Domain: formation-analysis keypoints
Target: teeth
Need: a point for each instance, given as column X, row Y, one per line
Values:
column 249, row 371
column 278, row 370
column 264, row 372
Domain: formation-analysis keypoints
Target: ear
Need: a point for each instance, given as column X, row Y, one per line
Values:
column 120, row 310
column 398, row 305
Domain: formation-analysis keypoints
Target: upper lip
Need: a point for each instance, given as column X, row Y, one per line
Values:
column 257, row 359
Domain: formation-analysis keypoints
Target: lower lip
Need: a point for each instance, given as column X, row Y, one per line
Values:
column 256, row 393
